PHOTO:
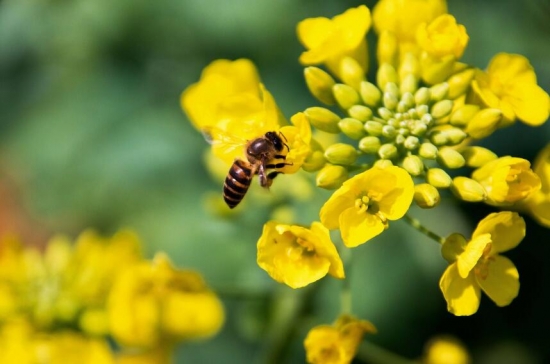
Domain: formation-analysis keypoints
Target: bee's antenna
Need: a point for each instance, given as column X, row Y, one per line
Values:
column 284, row 137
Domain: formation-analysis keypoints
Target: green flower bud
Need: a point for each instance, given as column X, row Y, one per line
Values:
column 450, row 158
column 323, row 119
column 463, row 115
column 390, row 101
column 460, row 82
column 392, row 88
column 422, row 96
column 352, row 128
column 370, row 94
column 419, row 128
column 468, row 189
column 439, row 92
column 399, row 139
column 320, row 84
column 408, row 84
column 314, row 162
column 369, row 144
column 389, row 131
column 455, row 135
column 438, row 137
column 374, row 128
column 360, row 112
column 345, row 95
column 384, row 113
column 422, row 110
column 341, row 153
column 478, row 156
column 411, row 142
column 408, row 99
column 453, row 244
column 438, row 178
column 409, row 65
column 426, row 196
column 351, row 72
column 386, row 73
column 427, row 119
column 441, row 109
column 387, row 151
column 383, row 163
column 428, row 151
column 331, row 177
column 413, row 164
column 484, row 123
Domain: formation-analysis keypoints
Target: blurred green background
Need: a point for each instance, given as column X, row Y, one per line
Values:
column 92, row 135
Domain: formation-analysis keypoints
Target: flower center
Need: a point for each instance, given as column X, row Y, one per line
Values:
column 299, row 249
column 481, row 269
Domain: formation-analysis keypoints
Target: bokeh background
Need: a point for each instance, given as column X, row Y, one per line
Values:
column 92, row 135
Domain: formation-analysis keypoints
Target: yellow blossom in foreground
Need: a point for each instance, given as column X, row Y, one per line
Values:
column 153, row 303
column 298, row 138
column 158, row 355
column 337, row 343
column 402, row 17
column 362, row 206
column 510, row 84
column 507, row 180
column 538, row 203
column 476, row 265
column 442, row 37
column 330, row 40
column 298, row 256
column 445, row 350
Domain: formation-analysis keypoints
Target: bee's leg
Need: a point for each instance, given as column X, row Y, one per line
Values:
column 263, row 176
column 278, row 165
column 279, row 156
column 271, row 176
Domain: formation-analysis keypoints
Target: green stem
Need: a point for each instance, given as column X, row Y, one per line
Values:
column 374, row 354
column 418, row 226
column 345, row 293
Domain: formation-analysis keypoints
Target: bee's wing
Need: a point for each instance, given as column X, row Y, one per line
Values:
column 218, row 137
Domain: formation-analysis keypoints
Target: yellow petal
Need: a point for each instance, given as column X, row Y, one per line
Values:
column 541, row 166
column 470, row 256
column 357, row 228
column 396, row 188
column 502, row 281
column 462, row 294
column 530, row 102
column 505, row 68
column 354, row 24
column 340, row 200
column 507, row 229
column 325, row 247
column 312, row 32
column 322, row 345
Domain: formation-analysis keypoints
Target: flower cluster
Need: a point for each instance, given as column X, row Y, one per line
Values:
column 408, row 135
column 65, row 303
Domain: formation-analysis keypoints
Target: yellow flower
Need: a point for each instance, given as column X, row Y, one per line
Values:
column 538, row 203
column 337, row 343
column 152, row 303
column 402, row 17
column 442, row 37
column 507, row 180
column 363, row 205
column 298, row 139
column 225, row 87
column 445, row 350
column 330, row 40
column 510, row 84
column 298, row 256
column 476, row 265
column 158, row 355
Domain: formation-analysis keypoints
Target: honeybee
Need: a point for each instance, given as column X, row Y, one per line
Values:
column 262, row 153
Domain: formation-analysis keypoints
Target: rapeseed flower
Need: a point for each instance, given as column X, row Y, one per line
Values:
column 445, row 350
column 476, row 265
column 337, row 343
column 538, row 202
column 296, row 255
column 363, row 205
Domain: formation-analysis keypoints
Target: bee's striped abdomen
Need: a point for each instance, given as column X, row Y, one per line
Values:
column 237, row 183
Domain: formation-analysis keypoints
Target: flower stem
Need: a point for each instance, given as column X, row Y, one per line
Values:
column 418, row 226
column 345, row 293
column 374, row 354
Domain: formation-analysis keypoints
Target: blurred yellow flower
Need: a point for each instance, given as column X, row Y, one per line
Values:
column 153, row 303
column 476, row 265
column 507, row 180
column 538, row 203
column 330, row 40
column 402, row 17
column 298, row 256
column 337, row 343
column 298, row 139
column 445, row 350
column 159, row 355
column 442, row 37
column 510, row 84
column 363, row 205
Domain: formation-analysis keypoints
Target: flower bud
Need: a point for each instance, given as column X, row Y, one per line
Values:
column 478, row 156
column 468, row 189
column 435, row 70
column 413, row 164
column 455, row 135
column 439, row 92
column 409, row 66
column 438, row 178
column 370, row 94
column 426, row 196
column 463, row 115
column 383, row 163
column 484, row 123
column 411, row 142
column 409, row 83
column 360, row 112
column 386, row 51
column 341, row 153
column 422, row 96
column 369, row 144
column 428, row 151
column 314, row 162
column 387, row 151
column 418, row 128
column 352, row 128
column 374, row 128
column 407, row 99
column 460, row 82
column 345, row 95
column 320, row 84
column 453, row 243
column 390, row 100
column 450, row 158
column 386, row 73
column 438, row 137
column 384, row 113
column 331, row 177
column 441, row 109
column 389, row 131
column 421, row 110
column 323, row 119
column 351, row 72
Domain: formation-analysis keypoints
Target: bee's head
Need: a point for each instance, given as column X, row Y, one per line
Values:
column 276, row 139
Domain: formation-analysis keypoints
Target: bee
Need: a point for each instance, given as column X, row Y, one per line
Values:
column 262, row 154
